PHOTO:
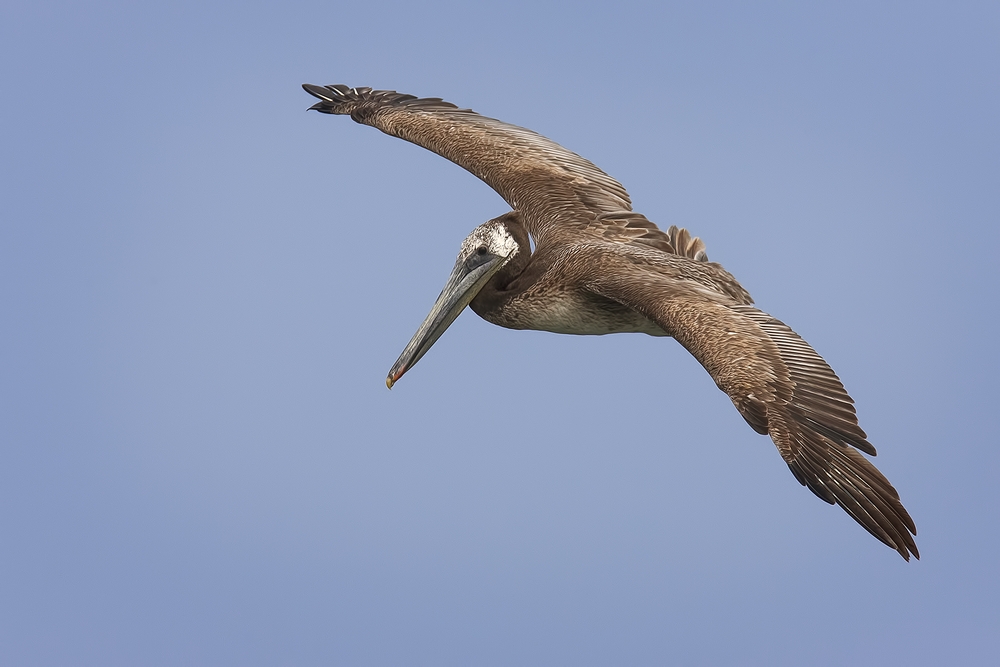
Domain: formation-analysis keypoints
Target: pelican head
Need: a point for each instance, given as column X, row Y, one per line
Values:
column 485, row 251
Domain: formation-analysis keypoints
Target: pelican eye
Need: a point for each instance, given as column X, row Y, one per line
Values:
column 478, row 258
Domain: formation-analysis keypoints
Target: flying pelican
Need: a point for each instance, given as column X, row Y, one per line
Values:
column 600, row 268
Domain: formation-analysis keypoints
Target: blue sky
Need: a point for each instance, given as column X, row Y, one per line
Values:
column 203, row 287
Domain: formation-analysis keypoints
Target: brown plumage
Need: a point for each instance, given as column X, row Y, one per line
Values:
column 598, row 267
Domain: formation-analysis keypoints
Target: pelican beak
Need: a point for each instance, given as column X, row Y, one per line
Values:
column 467, row 278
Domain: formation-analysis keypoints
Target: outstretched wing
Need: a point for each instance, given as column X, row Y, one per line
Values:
column 553, row 188
column 781, row 386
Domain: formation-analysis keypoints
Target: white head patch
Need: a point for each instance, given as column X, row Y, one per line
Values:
column 494, row 236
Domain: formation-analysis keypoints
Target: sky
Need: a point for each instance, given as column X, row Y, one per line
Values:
column 203, row 285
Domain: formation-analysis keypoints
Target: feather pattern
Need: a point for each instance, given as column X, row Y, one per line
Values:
column 634, row 228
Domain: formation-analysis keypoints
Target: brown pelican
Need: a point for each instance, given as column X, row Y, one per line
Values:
column 600, row 268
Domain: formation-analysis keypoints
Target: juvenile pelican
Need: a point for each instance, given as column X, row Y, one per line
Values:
column 600, row 268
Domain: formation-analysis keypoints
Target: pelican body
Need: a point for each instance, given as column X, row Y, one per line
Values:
column 600, row 268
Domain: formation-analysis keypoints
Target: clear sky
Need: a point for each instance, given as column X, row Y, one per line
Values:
column 202, row 287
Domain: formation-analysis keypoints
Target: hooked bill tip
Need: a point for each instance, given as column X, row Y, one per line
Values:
column 394, row 375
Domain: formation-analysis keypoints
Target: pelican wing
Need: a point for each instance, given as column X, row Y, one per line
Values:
column 552, row 187
column 781, row 386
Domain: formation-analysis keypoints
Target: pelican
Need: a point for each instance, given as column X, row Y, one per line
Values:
column 600, row 268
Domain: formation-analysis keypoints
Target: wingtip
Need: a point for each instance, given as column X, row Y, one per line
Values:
column 319, row 92
column 907, row 550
